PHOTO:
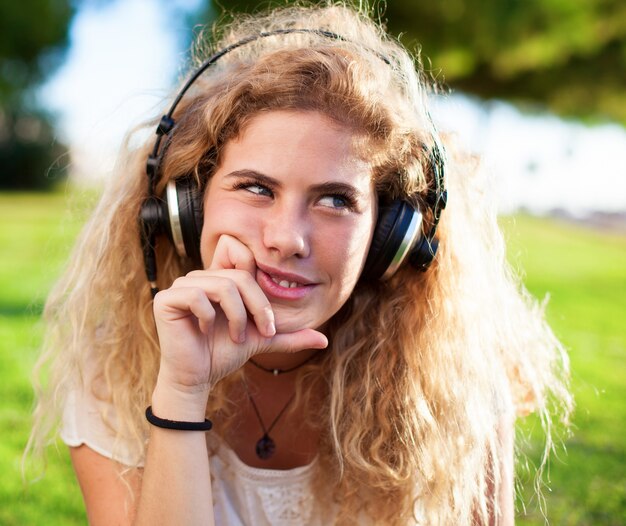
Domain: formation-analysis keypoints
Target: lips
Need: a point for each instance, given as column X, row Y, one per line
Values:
column 279, row 276
column 283, row 285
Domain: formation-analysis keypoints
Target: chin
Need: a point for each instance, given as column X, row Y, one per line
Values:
column 289, row 322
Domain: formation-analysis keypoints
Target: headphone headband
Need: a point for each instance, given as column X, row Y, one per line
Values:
column 166, row 124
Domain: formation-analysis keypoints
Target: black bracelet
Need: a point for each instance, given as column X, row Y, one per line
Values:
column 174, row 424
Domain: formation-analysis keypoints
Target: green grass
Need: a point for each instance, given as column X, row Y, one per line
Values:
column 584, row 274
column 583, row 271
column 35, row 234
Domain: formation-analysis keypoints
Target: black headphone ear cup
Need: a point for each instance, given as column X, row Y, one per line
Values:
column 190, row 217
column 423, row 253
column 394, row 221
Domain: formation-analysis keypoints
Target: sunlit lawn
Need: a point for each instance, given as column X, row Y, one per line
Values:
column 583, row 271
column 35, row 235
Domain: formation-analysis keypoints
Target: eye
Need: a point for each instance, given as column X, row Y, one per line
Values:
column 255, row 188
column 336, row 201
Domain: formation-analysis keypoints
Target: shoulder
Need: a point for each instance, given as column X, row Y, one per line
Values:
column 91, row 421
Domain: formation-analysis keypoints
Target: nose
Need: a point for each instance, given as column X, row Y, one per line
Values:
column 286, row 231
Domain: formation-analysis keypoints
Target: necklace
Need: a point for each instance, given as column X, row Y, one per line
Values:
column 276, row 371
column 265, row 446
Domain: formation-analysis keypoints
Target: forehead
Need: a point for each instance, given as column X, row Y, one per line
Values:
column 297, row 143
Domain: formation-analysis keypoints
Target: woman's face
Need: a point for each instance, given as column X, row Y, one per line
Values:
column 291, row 188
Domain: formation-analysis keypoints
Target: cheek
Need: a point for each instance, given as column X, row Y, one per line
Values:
column 207, row 247
column 349, row 252
column 225, row 218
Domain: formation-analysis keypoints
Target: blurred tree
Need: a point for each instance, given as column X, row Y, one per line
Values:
column 567, row 55
column 30, row 158
column 33, row 36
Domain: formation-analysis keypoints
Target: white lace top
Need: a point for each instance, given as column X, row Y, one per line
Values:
column 243, row 495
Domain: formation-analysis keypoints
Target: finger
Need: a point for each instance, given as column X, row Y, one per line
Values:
column 224, row 291
column 230, row 253
column 236, row 298
column 172, row 305
column 254, row 300
column 297, row 341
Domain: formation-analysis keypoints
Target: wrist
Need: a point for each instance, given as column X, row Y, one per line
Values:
column 175, row 403
column 177, row 425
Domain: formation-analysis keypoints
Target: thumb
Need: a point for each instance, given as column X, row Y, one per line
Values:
column 291, row 342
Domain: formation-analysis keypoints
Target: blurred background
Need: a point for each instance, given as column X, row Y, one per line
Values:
column 536, row 87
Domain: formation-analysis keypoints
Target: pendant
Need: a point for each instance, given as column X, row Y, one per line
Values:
column 265, row 447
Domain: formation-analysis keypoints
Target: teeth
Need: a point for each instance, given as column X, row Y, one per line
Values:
column 286, row 284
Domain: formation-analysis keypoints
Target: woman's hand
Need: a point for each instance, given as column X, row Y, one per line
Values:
column 210, row 322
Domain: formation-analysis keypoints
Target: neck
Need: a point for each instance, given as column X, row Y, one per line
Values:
column 282, row 361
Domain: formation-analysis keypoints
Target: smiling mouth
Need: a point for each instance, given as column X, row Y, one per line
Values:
column 283, row 286
column 288, row 280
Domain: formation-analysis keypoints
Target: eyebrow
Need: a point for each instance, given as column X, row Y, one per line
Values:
column 329, row 187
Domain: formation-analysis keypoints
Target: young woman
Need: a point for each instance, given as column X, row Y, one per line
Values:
column 360, row 351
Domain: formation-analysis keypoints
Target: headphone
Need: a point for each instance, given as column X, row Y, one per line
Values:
column 398, row 234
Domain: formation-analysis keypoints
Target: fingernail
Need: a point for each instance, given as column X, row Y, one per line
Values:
column 242, row 337
column 270, row 329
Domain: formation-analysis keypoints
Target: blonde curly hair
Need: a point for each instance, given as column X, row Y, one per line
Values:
column 420, row 368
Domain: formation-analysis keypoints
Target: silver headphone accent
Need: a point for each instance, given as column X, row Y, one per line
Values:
column 174, row 214
column 412, row 234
